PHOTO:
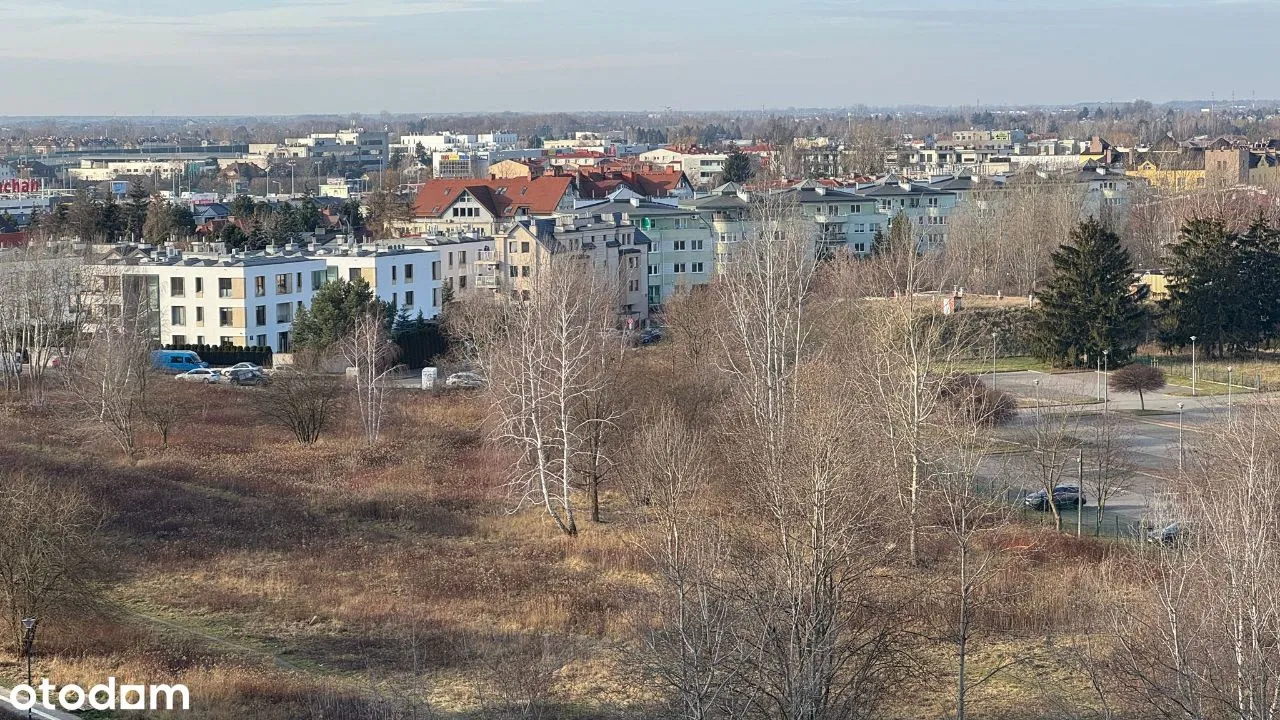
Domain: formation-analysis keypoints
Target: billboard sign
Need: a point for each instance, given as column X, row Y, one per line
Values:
column 119, row 187
column 19, row 185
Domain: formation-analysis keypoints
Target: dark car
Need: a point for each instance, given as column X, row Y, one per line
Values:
column 1064, row 496
column 240, row 376
column 650, row 336
column 1171, row 534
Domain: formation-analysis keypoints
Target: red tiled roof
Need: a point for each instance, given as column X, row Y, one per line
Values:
column 500, row 197
column 596, row 183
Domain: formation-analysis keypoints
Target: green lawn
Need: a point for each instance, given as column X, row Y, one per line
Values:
column 1003, row 364
column 1181, row 386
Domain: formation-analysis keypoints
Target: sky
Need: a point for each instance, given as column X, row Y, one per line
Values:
column 288, row 57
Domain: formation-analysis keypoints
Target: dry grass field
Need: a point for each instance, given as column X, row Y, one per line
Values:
column 335, row 581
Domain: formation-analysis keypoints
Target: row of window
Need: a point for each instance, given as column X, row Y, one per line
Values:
column 285, row 283
column 678, row 268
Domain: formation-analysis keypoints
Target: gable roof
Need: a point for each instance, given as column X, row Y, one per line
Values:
column 541, row 195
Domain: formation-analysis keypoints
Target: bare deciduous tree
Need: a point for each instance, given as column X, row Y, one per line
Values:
column 371, row 353
column 301, row 398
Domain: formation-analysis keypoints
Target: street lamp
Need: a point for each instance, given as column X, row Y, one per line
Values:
column 1179, row 437
column 1228, row 392
column 28, row 639
column 292, row 186
column 1106, row 395
column 994, row 335
column 1193, row 366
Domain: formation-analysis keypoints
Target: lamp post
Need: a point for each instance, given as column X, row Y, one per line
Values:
column 1228, row 393
column 1179, row 437
column 1106, row 395
column 994, row 335
column 292, row 182
column 1193, row 366
column 28, row 639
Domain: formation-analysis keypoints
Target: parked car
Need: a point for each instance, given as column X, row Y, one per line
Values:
column 246, row 366
column 1170, row 534
column 650, row 336
column 1064, row 496
column 465, row 380
column 176, row 361
column 242, row 376
column 202, row 374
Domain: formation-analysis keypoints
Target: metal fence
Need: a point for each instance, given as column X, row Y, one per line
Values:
column 1208, row 373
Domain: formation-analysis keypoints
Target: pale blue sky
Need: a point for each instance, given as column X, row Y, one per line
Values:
column 227, row 57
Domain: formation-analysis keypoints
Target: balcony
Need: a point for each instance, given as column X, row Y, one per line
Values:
column 486, row 281
column 836, row 218
column 486, row 256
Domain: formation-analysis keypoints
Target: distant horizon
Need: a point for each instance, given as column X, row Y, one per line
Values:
column 255, row 58
column 864, row 109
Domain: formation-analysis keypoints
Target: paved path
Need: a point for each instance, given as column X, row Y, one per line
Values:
column 7, row 709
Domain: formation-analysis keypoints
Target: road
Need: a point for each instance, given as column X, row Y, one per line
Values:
column 8, row 710
column 1150, row 436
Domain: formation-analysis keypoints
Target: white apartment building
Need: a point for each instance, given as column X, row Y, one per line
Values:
column 701, row 168
column 251, row 299
column 463, row 263
column 452, row 142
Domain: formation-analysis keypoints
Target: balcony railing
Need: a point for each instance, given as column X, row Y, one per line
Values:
column 486, row 256
column 487, row 281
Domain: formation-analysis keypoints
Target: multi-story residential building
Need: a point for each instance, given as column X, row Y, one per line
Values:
column 445, row 206
column 464, row 264
column 236, row 300
column 702, row 168
column 928, row 208
column 351, row 149
column 251, row 299
column 727, row 210
column 681, row 247
column 606, row 243
column 845, row 219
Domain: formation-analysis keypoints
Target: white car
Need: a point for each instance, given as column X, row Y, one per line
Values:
column 208, row 375
column 465, row 380
column 245, row 366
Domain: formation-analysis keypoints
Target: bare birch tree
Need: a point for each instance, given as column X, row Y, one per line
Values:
column 368, row 350
column 40, row 310
column 545, row 359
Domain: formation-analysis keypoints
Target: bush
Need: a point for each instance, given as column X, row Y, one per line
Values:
column 976, row 401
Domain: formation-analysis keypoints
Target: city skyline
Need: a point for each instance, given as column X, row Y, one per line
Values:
column 286, row 57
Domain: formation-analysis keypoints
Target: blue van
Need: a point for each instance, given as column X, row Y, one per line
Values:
column 176, row 361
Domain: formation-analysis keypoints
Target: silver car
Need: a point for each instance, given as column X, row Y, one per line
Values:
column 465, row 380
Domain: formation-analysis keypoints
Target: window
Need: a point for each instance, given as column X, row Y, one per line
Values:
column 524, row 271
column 260, row 286
column 226, row 341
column 677, row 244
column 697, row 267
column 653, row 270
column 178, row 316
column 450, row 259
column 199, row 319
column 226, row 317
column 395, row 300
column 317, row 279
column 298, row 283
column 462, row 282
column 408, row 272
column 178, row 340
column 514, row 271
column 524, row 246
column 393, row 275
column 200, row 291
column 284, row 312
column 282, row 342
column 224, row 287
column 408, row 298
column 283, row 284
column 462, row 258
column 633, row 286
column 696, row 244
column 859, row 247
column 511, row 246
column 261, row 341
column 260, row 315
column 199, row 339
column 435, row 297
column 915, row 202
column 860, row 227
column 177, row 287
column 633, row 262
column 933, row 202
column 435, row 270
column 677, row 268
